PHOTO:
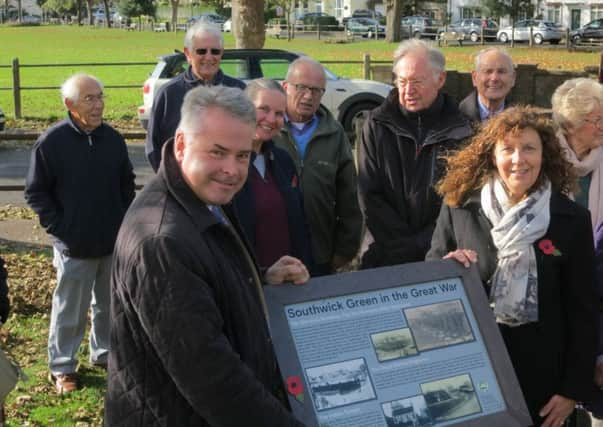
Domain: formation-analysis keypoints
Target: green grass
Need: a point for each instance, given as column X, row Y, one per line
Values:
column 70, row 44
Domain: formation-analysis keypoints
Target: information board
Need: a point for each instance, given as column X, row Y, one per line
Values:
column 412, row 345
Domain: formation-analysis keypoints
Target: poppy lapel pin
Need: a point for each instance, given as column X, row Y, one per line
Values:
column 295, row 387
column 547, row 247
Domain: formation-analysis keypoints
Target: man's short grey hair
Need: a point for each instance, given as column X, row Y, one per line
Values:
column 303, row 60
column 435, row 57
column 503, row 52
column 200, row 29
column 232, row 101
column 574, row 100
column 254, row 87
column 70, row 89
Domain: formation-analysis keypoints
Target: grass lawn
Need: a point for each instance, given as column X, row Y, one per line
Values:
column 69, row 45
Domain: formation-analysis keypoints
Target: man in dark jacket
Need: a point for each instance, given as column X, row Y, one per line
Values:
column 399, row 157
column 80, row 183
column 493, row 79
column 191, row 345
column 203, row 48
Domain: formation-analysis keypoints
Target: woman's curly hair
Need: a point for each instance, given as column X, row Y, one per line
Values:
column 468, row 170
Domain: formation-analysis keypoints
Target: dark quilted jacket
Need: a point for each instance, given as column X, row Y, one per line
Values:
column 190, row 346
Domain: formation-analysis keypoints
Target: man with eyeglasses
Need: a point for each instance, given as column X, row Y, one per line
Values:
column 203, row 48
column 80, row 183
column 493, row 79
column 320, row 149
column 400, row 156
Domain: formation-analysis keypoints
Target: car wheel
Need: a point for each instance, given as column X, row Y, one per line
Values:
column 503, row 37
column 576, row 39
column 538, row 38
column 474, row 37
column 354, row 118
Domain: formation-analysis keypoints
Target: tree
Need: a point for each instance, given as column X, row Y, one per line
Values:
column 512, row 8
column 393, row 10
column 134, row 8
column 248, row 23
column 174, row 4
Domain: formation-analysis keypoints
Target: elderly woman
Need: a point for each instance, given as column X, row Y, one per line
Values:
column 578, row 111
column 505, row 209
column 269, row 205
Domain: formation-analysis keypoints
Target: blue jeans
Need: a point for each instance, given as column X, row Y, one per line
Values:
column 81, row 283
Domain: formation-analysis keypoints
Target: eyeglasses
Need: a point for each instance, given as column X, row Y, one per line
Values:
column 415, row 83
column 91, row 99
column 598, row 122
column 203, row 51
column 316, row 91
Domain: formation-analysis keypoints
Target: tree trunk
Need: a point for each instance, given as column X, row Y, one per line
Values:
column 89, row 4
column 107, row 13
column 174, row 4
column 248, row 24
column 393, row 9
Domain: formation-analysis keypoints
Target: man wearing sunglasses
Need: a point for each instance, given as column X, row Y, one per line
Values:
column 203, row 48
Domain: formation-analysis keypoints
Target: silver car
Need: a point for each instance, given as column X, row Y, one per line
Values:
column 541, row 31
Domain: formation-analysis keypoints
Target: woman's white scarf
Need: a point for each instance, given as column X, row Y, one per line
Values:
column 515, row 228
column 593, row 162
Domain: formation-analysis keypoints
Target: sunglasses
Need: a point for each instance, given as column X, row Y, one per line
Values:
column 203, row 51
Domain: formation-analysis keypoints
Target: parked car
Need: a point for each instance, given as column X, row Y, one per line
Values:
column 364, row 13
column 345, row 98
column 472, row 28
column 31, row 19
column 592, row 30
column 310, row 21
column 541, row 31
column 227, row 26
column 2, row 120
column 364, row 27
column 213, row 18
column 419, row 26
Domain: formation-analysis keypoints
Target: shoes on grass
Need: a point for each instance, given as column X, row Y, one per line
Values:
column 64, row 383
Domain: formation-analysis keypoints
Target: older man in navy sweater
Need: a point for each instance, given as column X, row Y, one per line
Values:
column 80, row 183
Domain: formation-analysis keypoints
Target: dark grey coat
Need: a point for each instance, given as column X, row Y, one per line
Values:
column 189, row 341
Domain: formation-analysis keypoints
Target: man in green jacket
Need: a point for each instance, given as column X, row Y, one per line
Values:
column 322, row 154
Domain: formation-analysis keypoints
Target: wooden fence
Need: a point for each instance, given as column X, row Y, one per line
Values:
column 18, row 87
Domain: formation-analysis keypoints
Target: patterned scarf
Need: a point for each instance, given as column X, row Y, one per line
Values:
column 515, row 228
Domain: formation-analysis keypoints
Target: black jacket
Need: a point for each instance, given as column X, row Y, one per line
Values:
column 165, row 113
column 470, row 108
column 4, row 301
column 189, row 341
column 555, row 355
column 286, row 178
column 80, row 185
column 399, row 162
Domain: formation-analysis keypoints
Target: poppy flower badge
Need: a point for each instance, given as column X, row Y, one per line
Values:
column 295, row 387
column 547, row 247
column 294, row 182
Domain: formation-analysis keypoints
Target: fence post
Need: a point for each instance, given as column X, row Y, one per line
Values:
column 531, row 36
column 567, row 38
column 318, row 29
column 366, row 66
column 16, row 88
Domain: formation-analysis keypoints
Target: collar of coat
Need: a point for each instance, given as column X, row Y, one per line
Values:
column 191, row 79
column 560, row 204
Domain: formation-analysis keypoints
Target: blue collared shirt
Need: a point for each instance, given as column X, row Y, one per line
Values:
column 484, row 113
column 302, row 135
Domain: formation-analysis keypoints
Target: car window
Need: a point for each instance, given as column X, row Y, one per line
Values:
column 274, row 68
column 158, row 69
column 236, row 68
